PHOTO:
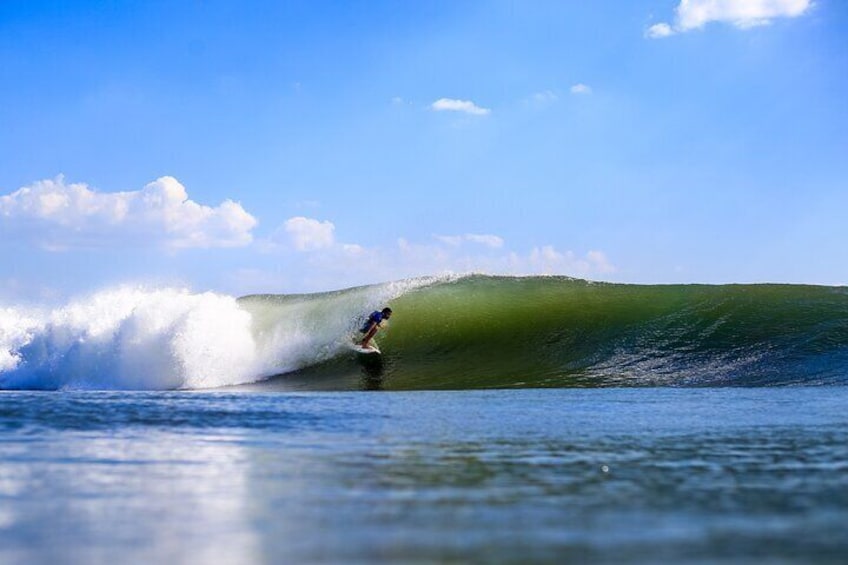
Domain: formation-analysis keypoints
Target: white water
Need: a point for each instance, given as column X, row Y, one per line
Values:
column 132, row 338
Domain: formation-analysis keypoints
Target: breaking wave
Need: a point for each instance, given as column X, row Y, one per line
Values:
column 449, row 333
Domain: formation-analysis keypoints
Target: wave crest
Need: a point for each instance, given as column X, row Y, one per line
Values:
column 128, row 338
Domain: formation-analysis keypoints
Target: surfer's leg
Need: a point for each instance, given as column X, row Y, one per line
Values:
column 369, row 335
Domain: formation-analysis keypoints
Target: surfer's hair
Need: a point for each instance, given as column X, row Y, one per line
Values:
column 387, row 310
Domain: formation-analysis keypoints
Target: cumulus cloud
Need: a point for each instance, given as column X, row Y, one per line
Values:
column 581, row 89
column 57, row 215
column 308, row 234
column 466, row 106
column 695, row 14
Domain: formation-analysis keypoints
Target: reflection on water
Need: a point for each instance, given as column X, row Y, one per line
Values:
column 604, row 475
column 372, row 372
column 89, row 497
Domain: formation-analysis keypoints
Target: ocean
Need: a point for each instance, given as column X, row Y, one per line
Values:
column 536, row 419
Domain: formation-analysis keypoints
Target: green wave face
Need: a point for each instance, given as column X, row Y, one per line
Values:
column 481, row 332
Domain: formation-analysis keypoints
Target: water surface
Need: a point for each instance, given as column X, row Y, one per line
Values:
column 607, row 475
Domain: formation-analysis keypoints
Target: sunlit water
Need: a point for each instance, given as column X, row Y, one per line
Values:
column 600, row 475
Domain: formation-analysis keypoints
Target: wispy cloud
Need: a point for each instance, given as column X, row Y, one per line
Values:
column 411, row 259
column 331, row 264
column 545, row 97
column 58, row 216
column 465, row 106
column 540, row 100
column 695, row 14
column 486, row 240
column 581, row 88
column 549, row 260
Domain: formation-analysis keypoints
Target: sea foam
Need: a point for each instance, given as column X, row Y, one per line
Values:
column 131, row 338
column 128, row 338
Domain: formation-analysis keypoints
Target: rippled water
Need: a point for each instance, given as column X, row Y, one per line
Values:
column 607, row 475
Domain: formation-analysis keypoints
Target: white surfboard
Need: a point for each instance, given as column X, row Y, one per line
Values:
column 371, row 349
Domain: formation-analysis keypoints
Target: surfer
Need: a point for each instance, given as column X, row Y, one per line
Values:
column 373, row 323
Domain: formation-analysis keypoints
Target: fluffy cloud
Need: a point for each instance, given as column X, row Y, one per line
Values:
column 57, row 215
column 466, row 106
column 581, row 89
column 307, row 234
column 695, row 14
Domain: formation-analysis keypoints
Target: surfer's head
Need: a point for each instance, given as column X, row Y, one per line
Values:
column 387, row 312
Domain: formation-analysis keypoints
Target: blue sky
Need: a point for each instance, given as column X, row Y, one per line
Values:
column 302, row 146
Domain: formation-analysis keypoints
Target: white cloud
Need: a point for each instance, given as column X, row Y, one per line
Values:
column 308, row 234
column 695, row 14
column 487, row 240
column 598, row 262
column 548, row 260
column 540, row 100
column 545, row 97
column 492, row 241
column 412, row 259
column 657, row 31
column 466, row 106
column 332, row 264
column 58, row 216
column 581, row 89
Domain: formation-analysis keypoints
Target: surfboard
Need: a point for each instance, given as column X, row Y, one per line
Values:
column 370, row 350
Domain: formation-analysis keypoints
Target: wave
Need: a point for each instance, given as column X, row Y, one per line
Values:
column 447, row 333
column 131, row 338
column 553, row 332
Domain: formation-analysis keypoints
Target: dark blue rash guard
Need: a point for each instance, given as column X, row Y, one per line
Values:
column 375, row 318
